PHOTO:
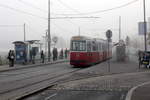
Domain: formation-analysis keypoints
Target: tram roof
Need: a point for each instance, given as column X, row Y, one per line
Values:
column 80, row 38
column 87, row 38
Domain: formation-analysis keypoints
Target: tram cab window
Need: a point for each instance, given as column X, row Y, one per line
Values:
column 78, row 46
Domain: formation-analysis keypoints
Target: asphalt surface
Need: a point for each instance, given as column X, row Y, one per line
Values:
column 79, row 95
column 96, row 83
column 17, row 82
column 141, row 93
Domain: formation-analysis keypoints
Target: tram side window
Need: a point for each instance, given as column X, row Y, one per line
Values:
column 78, row 46
column 103, row 47
column 94, row 47
column 100, row 47
column 88, row 46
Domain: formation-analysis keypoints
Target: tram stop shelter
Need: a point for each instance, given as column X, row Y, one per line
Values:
column 26, row 51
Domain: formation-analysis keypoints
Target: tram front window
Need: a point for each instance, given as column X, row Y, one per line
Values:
column 78, row 46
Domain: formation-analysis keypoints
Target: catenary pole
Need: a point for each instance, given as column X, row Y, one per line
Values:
column 119, row 28
column 49, row 35
column 24, row 28
column 145, row 32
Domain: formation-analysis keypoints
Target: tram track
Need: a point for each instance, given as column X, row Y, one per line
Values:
column 28, row 77
column 51, row 80
column 30, row 87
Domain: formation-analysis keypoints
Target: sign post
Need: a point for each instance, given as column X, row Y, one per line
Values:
column 108, row 35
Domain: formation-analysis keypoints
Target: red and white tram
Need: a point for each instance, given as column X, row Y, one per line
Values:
column 87, row 51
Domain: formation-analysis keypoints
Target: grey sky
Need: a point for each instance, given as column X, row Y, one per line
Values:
column 68, row 27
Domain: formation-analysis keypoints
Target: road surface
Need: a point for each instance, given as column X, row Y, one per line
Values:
column 18, row 82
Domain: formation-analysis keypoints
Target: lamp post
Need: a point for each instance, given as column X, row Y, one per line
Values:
column 49, row 36
column 145, row 26
column 108, row 35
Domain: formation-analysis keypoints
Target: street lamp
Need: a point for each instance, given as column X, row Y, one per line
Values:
column 108, row 35
column 49, row 36
column 145, row 29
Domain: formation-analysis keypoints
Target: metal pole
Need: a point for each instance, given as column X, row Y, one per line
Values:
column 108, row 58
column 49, row 36
column 46, row 43
column 119, row 28
column 145, row 32
column 24, row 27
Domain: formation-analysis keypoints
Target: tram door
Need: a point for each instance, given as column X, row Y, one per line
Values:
column 89, row 53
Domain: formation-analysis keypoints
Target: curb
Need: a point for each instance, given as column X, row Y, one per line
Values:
column 129, row 94
column 31, row 66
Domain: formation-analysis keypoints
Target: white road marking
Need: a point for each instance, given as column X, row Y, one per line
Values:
column 51, row 96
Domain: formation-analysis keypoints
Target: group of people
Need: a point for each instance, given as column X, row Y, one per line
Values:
column 62, row 54
column 55, row 54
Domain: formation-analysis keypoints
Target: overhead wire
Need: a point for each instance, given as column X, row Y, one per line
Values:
column 33, row 6
column 33, row 30
column 11, row 25
column 61, row 28
column 106, row 10
column 27, row 13
column 67, row 6
column 21, row 11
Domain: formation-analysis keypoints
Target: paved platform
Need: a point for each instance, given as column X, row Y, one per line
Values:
column 20, row 66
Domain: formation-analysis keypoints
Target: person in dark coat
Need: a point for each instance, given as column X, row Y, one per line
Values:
column 140, row 54
column 33, row 55
column 11, row 58
column 66, row 53
column 55, row 54
column 61, row 54
column 42, row 56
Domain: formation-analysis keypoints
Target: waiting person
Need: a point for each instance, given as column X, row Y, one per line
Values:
column 11, row 58
column 55, row 54
column 140, row 54
column 33, row 55
column 42, row 56
column 25, row 57
column 61, row 54
column 66, row 53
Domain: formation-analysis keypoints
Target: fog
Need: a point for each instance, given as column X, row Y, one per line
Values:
column 14, row 13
